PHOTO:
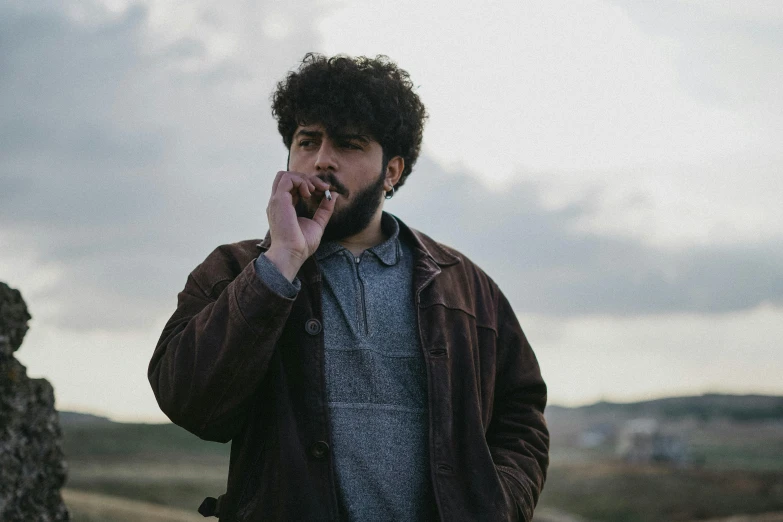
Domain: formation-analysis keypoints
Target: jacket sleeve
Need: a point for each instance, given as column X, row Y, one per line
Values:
column 215, row 350
column 517, row 436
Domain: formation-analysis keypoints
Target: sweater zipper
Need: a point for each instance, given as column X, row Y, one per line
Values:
column 363, row 302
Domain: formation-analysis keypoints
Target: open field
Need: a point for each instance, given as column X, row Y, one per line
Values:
column 632, row 493
column 87, row 506
column 609, row 491
column 178, row 483
column 736, row 469
column 765, row 517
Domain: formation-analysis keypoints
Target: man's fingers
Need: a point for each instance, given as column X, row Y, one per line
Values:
column 294, row 184
column 325, row 210
column 298, row 184
column 278, row 177
column 304, row 189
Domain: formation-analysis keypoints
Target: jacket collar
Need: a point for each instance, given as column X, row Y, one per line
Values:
column 428, row 247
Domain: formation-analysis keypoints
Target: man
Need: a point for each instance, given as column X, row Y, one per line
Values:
column 361, row 370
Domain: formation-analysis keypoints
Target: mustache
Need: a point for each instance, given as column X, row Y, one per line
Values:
column 338, row 187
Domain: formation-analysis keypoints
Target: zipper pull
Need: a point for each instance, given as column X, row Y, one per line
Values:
column 357, row 260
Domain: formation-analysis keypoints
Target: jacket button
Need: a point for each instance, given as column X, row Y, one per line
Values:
column 313, row 326
column 319, row 450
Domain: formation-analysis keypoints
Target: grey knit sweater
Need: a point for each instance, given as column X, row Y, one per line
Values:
column 375, row 378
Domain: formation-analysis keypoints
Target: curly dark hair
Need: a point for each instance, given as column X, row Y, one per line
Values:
column 371, row 94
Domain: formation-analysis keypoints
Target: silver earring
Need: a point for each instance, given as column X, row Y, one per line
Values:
column 389, row 194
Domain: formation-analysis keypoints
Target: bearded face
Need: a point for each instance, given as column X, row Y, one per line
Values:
column 354, row 216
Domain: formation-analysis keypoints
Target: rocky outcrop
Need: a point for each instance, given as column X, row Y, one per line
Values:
column 32, row 469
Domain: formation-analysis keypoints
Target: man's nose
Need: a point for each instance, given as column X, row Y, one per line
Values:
column 326, row 159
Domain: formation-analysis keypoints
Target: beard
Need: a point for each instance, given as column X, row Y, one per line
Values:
column 352, row 219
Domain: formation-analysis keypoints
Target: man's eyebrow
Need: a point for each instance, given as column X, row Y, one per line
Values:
column 343, row 136
column 348, row 137
column 309, row 133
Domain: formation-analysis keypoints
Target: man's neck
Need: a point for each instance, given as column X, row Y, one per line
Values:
column 371, row 236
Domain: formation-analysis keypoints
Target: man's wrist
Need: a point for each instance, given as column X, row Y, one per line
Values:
column 287, row 263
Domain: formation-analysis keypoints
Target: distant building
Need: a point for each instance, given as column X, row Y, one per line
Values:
column 643, row 441
column 597, row 435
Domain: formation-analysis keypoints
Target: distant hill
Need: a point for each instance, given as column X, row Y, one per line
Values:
column 706, row 407
column 73, row 417
column 89, row 436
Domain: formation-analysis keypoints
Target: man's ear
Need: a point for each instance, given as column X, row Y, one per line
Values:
column 394, row 169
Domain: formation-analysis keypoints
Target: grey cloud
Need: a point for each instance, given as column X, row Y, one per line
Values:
column 546, row 265
column 63, row 143
column 123, row 167
column 728, row 54
column 124, row 170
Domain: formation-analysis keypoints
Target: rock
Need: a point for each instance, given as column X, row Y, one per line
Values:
column 32, row 468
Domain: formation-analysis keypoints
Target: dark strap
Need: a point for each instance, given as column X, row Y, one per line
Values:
column 210, row 507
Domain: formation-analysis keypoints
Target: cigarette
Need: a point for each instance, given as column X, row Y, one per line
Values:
column 328, row 195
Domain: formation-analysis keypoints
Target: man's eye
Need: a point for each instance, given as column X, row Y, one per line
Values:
column 305, row 143
column 352, row 146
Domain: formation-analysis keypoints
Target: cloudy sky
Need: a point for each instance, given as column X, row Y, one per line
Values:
column 614, row 165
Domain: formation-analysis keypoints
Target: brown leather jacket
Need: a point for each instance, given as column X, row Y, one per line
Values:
column 237, row 362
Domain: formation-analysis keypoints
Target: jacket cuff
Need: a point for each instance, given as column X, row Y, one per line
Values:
column 270, row 275
column 260, row 306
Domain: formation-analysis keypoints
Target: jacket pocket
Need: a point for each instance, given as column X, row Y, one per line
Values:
column 521, row 500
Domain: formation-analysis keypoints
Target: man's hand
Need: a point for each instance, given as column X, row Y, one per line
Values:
column 295, row 238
